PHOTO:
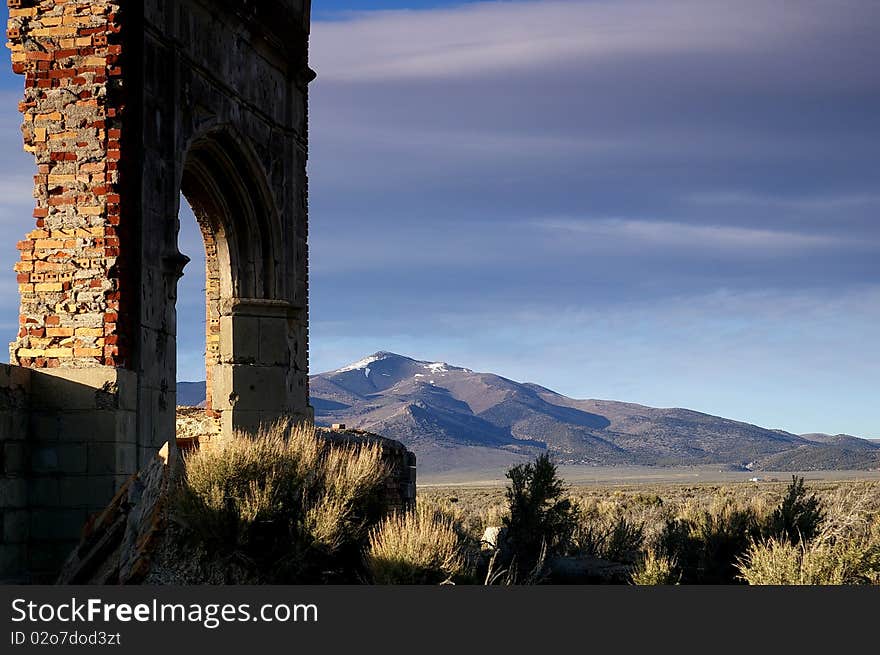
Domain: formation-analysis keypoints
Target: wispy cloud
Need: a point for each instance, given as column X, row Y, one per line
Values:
column 485, row 38
column 802, row 201
column 696, row 236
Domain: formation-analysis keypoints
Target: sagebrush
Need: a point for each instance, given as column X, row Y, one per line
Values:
column 422, row 546
column 746, row 533
column 285, row 502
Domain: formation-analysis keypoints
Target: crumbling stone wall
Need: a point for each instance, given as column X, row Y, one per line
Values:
column 126, row 105
column 400, row 491
column 231, row 133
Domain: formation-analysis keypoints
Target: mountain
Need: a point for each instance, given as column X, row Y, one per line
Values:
column 191, row 394
column 454, row 418
column 838, row 451
column 837, row 439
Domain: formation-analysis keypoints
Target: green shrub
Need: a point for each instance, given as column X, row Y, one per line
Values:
column 284, row 501
column 615, row 537
column 541, row 519
column 799, row 517
column 423, row 546
column 707, row 544
column 705, row 533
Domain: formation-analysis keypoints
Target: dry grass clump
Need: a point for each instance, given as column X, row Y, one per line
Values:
column 706, row 543
column 845, row 550
column 654, row 570
column 780, row 562
column 284, row 501
column 606, row 531
column 423, row 546
column 350, row 478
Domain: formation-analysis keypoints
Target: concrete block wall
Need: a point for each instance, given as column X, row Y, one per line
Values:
column 82, row 449
column 256, row 381
column 224, row 108
column 68, row 443
column 14, row 468
column 125, row 106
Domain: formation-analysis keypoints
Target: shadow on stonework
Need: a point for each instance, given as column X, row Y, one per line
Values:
column 67, row 444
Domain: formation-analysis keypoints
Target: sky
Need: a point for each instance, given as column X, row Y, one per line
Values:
column 669, row 202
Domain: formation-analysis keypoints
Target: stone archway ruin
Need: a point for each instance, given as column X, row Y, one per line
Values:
column 125, row 105
column 254, row 372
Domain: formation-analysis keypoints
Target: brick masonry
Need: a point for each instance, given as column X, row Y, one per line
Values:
column 69, row 275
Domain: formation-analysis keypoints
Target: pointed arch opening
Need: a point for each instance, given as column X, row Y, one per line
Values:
column 245, row 345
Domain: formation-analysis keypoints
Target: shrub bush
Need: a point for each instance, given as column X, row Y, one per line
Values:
column 780, row 562
column 707, row 544
column 655, row 569
column 541, row 519
column 708, row 533
column 612, row 536
column 423, row 546
column 846, row 549
column 799, row 517
column 285, row 501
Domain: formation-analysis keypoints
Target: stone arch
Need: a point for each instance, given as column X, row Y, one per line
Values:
column 226, row 187
column 227, row 190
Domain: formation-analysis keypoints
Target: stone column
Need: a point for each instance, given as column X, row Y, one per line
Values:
column 258, row 379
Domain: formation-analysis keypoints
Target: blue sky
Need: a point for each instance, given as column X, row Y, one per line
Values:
column 672, row 202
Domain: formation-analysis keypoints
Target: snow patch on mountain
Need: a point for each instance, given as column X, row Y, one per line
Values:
column 360, row 364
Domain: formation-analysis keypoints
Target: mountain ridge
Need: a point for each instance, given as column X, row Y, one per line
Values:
column 454, row 418
column 439, row 409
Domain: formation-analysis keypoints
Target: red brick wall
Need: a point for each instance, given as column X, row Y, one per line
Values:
column 69, row 275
